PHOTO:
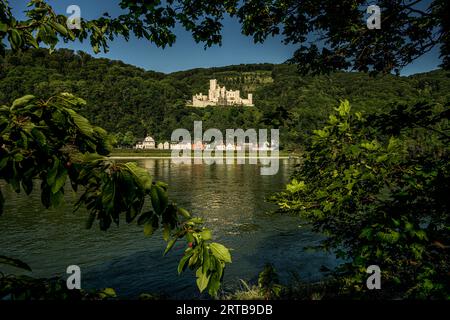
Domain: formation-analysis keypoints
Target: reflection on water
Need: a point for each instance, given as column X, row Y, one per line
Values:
column 229, row 197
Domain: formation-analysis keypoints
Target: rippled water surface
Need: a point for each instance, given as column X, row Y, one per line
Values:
column 229, row 197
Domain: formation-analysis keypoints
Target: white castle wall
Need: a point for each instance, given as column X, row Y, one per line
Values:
column 220, row 96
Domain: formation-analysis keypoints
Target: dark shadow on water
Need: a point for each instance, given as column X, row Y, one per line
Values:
column 146, row 272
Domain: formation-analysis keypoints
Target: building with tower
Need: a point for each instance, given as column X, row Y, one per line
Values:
column 220, row 96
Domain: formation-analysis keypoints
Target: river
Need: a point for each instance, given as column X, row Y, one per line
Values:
column 231, row 199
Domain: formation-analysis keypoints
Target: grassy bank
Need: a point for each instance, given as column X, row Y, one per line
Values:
column 140, row 153
column 168, row 153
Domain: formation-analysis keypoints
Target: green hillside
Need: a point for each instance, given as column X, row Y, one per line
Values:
column 131, row 102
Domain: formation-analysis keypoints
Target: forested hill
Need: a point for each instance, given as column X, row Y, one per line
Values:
column 126, row 99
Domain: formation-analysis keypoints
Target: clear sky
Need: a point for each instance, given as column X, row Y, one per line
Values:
column 185, row 53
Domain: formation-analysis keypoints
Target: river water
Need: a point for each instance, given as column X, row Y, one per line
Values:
column 231, row 199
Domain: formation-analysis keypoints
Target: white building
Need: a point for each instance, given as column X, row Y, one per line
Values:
column 220, row 96
column 181, row 146
column 148, row 143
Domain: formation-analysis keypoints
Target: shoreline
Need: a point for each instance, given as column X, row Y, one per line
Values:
column 137, row 157
column 122, row 154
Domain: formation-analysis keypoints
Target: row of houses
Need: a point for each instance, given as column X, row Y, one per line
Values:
column 149, row 143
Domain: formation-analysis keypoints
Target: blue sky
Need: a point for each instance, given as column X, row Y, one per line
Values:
column 185, row 53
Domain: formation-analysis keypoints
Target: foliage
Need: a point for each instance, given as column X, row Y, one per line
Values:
column 140, row 103
column 409, row 28
column 268, row 287
column 269, row 284
column 27, row 288
column 49, row 141
column 22, row 287
column 377, row 188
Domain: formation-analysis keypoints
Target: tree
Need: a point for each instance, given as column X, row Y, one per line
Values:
column 376, row 187
column 129, row 139
column 409, row 28
column 118, row 136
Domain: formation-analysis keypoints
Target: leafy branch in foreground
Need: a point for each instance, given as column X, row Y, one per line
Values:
column 47, row 140
column 325, row 41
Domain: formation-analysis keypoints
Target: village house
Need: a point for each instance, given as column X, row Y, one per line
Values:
column 148, row 143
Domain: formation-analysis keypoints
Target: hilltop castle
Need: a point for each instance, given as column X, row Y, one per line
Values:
column 219, row 96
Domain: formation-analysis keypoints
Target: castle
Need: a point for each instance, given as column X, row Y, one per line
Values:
column 219, row 96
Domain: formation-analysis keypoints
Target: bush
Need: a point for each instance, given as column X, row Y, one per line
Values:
column 377, row 189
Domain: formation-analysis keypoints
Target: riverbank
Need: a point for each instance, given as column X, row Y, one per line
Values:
column 161, row 154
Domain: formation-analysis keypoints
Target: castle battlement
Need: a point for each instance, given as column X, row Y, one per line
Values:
column 220, row 96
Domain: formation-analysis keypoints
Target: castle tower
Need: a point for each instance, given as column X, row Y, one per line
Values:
column 250, row 98
column 212, row 89
column 212, row 84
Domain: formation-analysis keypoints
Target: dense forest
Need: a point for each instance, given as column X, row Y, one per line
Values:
column 131, row 102
column 374, row 174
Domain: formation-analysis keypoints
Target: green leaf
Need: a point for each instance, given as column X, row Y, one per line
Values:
column 206, row 234
column 382, row 158
column 15, row 39
column 60, row 180
column 148, row 228
column 166, row 232
column 344, row 108
column 39, row 137
column 202, row 279
column 206, row 260
column 145, row 217
column 170, row 245
column 194, row 257
column 143, row 177
column 155, row 199
column 190, row 237
column 81, row 122
column 184, row 213
column 196, row 220
column 162, row 185
column 296, row 186
column 60, row 28
column 3, row 27
column 33, row 42
column 22, row 101
column 183, row 261
column 163, row 198
column 214, row 284
column 52, row 173
column 220, row 252
column 14, row 262
column 108, row 293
